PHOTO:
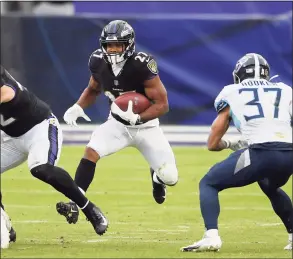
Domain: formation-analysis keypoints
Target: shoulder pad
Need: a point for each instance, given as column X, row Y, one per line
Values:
column 146, row 60
column 95, row 60
column 97, row 54
column 281, row 84
column 220, row 101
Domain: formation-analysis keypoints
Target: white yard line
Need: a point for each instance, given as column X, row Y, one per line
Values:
column 268, row 224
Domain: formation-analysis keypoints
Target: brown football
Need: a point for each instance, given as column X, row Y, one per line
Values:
column 140, row 102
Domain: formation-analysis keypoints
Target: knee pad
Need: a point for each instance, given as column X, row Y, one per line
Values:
column 43, row 172
column 168, row 174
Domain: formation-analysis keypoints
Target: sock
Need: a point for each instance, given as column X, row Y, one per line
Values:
column 85, row 205
column 82, row 191
column 209, row 204
column 59, row 179
column 212, row 233
column 85, row 173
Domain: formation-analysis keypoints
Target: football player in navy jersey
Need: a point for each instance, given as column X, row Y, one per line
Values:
column 30, row 132
column 116, row 68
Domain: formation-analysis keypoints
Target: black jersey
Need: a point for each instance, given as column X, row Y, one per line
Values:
column 23, row 112
column 137, row 69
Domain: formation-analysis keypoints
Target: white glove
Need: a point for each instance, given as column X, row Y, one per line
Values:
column 71, row 115
column 128, row 116
column 236, row 144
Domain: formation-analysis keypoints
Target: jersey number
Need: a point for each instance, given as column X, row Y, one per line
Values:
column 7, row 122
column 255, row 102
column 142, row 56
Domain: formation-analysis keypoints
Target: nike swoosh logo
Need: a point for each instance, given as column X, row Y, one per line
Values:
column 105, row 223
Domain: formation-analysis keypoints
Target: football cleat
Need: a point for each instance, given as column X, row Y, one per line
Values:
column 289, row 246
column 204, row 245
column 4, row 240
column 68, row 210
column 159, row 190
column 11, row 231
column 97, row 218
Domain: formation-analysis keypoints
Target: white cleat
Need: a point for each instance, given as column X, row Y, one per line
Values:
column 204, row 245
column 4, row 232
column 7, row 219
column 289, row 246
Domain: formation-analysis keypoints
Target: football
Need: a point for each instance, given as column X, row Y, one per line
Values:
column 140, row 102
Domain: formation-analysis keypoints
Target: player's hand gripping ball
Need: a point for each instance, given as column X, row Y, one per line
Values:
column 139, row 101
column 128, row 107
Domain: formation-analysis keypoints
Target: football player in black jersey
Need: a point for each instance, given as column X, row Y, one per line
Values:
column 116, row 68
column 30, row 131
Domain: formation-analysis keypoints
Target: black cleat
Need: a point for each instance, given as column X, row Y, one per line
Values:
column 97, row 218
column 12, row 235
column 159, row 191
column 68, row 210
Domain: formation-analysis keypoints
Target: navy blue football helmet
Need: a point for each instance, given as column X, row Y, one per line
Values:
column 120, row 32
column 251, row 65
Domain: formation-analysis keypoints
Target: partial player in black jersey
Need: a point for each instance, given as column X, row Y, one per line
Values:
column 30, row 131
column 116, row 68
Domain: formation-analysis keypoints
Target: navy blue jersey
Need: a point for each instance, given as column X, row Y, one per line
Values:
column 137, row 69
column 23, row 112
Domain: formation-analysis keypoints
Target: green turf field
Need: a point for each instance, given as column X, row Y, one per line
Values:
column 139, row 228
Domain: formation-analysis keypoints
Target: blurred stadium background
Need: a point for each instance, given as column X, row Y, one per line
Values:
column 46, row 46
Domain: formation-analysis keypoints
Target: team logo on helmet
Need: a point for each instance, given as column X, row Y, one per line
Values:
column 125, row 32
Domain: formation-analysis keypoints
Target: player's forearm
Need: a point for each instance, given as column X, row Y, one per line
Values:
column 217, row 146
column 154, row 111
column 87, row 98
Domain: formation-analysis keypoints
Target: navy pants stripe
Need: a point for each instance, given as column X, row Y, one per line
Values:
column 53, row 139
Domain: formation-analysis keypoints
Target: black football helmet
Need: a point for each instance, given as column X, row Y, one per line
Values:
column 121, row 32
column 251, row 65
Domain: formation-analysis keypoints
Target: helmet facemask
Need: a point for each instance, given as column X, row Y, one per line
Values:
column 116, row 58
column 236, row 79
